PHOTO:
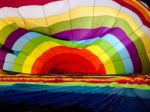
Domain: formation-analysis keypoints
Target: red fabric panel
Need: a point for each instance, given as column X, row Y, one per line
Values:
column 19, row 3
column 137, row 11
column 67, row 63
column 68, row 60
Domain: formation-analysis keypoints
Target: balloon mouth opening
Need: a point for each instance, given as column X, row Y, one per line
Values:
column 62, row 68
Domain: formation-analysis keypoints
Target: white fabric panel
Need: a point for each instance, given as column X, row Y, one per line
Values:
column 108, row 3
column 32, row 11
column 80, row 3
column 56, row 8
column 134, row 16
column 146, row 30
column 59, row 7
column 8, row 12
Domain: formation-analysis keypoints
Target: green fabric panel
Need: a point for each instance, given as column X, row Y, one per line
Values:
column 43, row 30
column 100, row 21
column 113, row 84
column 6, row 31
column 145, row 63
column 141, row 51
column 81, row 23
column 113, row 54
column 27, row 49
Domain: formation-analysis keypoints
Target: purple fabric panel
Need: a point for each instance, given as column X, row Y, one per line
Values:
column 2, row 58
column 14, row 36
column 83, row 34
column 130, row 46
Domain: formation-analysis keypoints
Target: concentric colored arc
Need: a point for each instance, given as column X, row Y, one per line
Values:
column 74, row 36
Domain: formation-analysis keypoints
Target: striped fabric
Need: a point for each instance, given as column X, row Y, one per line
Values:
column 74, row 36
column 86, row 94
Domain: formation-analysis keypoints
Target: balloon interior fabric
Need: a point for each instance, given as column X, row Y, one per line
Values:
column 76, row 41
column 65, row 94
column 74, row 36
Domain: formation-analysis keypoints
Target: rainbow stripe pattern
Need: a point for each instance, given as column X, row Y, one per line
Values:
column 74, row 36
column 82, row 94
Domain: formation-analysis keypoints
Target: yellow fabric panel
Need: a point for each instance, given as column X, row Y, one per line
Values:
column 18, row 21
column 37, row 52
column 76, row 13
column 145, row 39
column 103, row 57
column 2, row 24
